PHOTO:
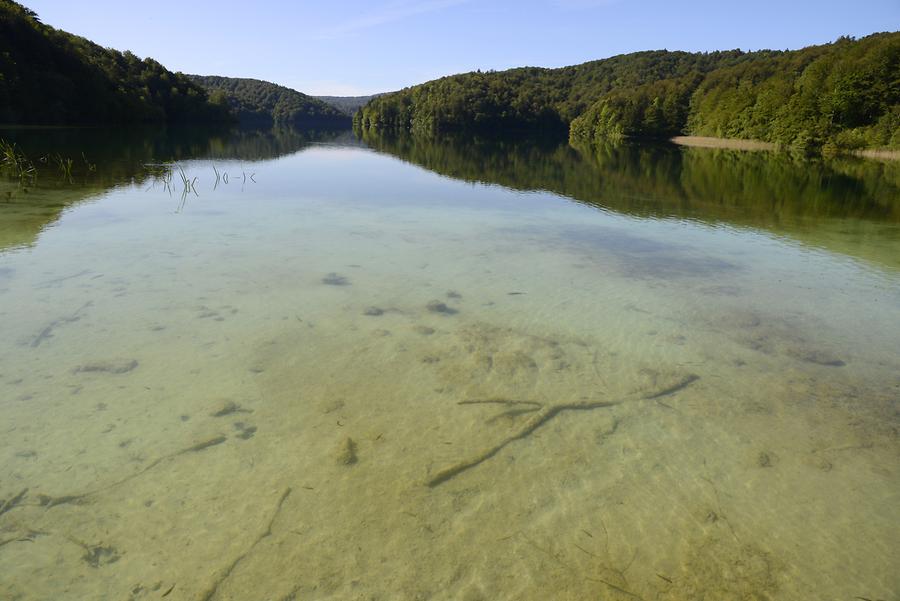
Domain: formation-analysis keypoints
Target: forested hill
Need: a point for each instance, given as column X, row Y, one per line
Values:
column 844, row 95
column 262, row 103
column 528, row 98
column 50, row 77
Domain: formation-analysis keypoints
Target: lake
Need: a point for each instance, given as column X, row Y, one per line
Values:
column 301, row 365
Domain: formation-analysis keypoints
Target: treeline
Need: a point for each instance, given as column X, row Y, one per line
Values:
column 260, row 103
column 843, row 95
column 527, row 99
column 840, row 95
column 50, row 77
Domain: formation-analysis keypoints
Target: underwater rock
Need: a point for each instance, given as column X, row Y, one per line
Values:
column 205, row 312
column 453, row 294
column 109, row 367
column 48, row 501
column 437, row 306
column 824, row 464
column 201, row 446
column 817, row 356
column 373, row 311
column 100, row 556
column 606, row 427
column 7, row 505
column 766, row 459
column 346, row 452
column 335, row 279
column 228, row 408
column 245, row 432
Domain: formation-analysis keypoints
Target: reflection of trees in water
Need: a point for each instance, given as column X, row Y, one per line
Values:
column 261, row 145
column 843, row 205
column 103, row 158
column 126, row 151
column 747, row 188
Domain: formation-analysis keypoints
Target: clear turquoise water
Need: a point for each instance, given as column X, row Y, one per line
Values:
column 398, row 370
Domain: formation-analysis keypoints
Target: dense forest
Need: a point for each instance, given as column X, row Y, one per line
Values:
column 845, row 95
column 527, row 99
column 261, row 103
column 840, row 95
column 52, row 77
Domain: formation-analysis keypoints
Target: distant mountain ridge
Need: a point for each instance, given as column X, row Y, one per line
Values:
column 257, row 102
column 348, row 105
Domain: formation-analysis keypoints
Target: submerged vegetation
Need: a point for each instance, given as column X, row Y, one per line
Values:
column 14, row 163
column 844, row 95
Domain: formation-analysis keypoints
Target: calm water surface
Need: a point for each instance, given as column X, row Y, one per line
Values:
column 387, row 369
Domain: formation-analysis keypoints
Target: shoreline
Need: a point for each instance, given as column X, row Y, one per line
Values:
column 878, row 154
column 731, row 143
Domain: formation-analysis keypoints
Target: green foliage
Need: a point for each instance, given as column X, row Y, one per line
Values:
column 14, row 163
column 49, row 76
column 845, row 95
column 261, row 103
column 527, row 99
column 654, row 110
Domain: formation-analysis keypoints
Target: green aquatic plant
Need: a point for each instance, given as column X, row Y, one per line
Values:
column 91, row 167
column 187, row 184
column 13, row 162
column 64, row 165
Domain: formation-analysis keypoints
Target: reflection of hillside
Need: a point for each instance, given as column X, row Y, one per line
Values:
column 838, row 205
column 133, row 148
column 104, row 158
column 24, row 215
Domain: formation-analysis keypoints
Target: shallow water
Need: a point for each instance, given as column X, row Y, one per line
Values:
column 461, row 371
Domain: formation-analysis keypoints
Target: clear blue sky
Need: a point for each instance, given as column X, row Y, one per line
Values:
column 349, row 47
